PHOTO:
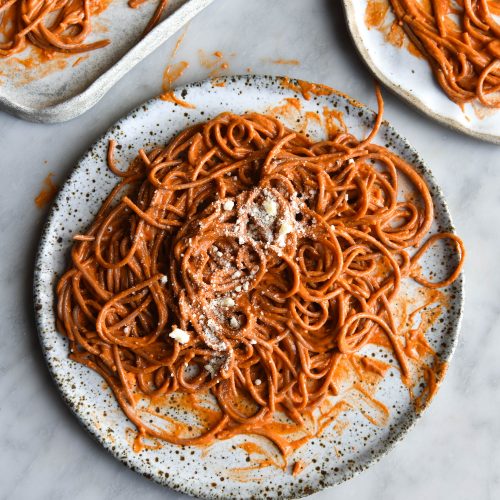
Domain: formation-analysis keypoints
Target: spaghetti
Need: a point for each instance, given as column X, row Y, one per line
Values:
column 464, row 55
column 56, row 25
column 243, row 261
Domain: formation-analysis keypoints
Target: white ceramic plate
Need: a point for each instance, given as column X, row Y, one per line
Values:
column 351, row 443
column 411, row 78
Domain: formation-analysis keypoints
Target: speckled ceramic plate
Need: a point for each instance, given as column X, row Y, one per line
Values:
column 359, row 435
column 411, row 78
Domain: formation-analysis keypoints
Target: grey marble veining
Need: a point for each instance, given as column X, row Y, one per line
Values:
column 453, row 452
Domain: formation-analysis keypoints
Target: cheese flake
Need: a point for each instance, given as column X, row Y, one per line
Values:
column 179, row 335
column 285, row 228
column 270, row 206
column 234, row 323
column 228, row 205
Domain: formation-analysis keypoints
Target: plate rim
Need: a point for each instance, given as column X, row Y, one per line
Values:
column 297, row 491
column 401, row 92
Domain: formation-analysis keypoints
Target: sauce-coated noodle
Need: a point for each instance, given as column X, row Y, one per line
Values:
column 56, row 25
column 465, row 54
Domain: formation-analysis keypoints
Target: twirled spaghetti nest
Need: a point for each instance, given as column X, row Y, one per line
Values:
column 243, row 260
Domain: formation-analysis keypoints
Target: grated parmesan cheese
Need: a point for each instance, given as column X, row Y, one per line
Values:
column 179, row 335
column 285, row 228
column 258, row 381
column 210, row 369
column 164, row 279
column 234, row 323
column 228, row 205
column 215, row 364
column 227, row 302
column 270, row 206
column 210, row 336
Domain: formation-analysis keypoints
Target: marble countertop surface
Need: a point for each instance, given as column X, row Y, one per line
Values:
column 454, row 450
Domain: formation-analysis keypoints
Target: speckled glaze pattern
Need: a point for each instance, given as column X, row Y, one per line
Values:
column 207, row 473
column 66, row 93
column 412, row 79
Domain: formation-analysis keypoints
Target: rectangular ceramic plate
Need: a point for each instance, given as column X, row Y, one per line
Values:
column 66, row 86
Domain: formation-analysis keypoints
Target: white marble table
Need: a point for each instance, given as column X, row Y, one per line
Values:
column 453, row 452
